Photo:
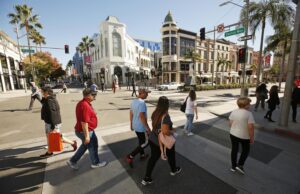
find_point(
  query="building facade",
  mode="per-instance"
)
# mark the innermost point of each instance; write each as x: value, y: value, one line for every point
x: 11, y: 76
x: 78, y: 65
x: 176, y: 67
x: 117, y: 53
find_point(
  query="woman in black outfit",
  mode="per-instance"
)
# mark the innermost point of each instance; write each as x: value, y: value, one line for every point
x: 272, y: 102
x: 158, y: 125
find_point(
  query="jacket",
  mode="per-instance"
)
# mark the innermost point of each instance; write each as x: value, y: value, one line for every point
x: 274, y: 100
x: 50, y: 111
x: 296, y: 96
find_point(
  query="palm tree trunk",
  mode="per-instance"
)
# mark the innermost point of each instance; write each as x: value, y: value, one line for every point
x: 260, y: 69
x: 30, y: 58
x: 282, y: 65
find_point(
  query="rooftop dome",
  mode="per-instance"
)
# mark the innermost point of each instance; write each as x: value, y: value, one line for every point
x: 169, y: 17
x: 112, y: 19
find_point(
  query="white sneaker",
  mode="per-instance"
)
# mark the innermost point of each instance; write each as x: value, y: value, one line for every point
x: 99, y: 165
x: 190, y: 134
x: 72, y: 165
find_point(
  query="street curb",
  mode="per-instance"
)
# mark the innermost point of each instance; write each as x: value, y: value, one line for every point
x: 278, y: 131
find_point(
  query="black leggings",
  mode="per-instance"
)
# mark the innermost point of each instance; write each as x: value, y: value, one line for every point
x: 294, y: 108
x: 142, y: 144
x: 155, y: 155
x: 235, y: 149
x: 270, y: 111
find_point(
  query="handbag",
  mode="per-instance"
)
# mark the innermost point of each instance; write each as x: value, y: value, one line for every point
x: 183, y: 106
x: 166, y: 140
x: 55, y: 143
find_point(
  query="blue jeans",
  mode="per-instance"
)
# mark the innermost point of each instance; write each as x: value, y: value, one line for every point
x: 92, y: 147
x: 189, y: 122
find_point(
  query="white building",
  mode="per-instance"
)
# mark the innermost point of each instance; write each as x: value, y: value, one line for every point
x: 115, y: 52
x: 10, y: 71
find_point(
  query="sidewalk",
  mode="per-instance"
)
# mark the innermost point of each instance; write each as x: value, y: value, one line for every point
x: 14, y: 93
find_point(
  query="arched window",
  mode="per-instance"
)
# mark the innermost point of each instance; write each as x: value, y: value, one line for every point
x: 117, y: 46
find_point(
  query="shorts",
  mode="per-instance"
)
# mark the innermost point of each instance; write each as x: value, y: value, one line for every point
x: 48, y: 128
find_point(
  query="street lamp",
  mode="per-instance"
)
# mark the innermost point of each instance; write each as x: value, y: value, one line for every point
x: 244, y: 90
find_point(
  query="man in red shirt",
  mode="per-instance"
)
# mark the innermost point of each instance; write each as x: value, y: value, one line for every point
x: 84, y: 129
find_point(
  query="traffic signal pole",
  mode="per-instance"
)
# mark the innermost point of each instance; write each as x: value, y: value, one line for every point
x: 244, y: 90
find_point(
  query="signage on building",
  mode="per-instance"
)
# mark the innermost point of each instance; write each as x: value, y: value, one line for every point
x: 234, y: 32
x: 88, y: 60
x: 267, y: 61
x: 27, y: 50
x: 243, y: 38
x: 220, y: 28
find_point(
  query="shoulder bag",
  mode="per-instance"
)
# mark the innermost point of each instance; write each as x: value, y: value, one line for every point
x: 167, y: 140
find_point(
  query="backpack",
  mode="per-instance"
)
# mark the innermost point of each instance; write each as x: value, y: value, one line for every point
x: 183, y: 106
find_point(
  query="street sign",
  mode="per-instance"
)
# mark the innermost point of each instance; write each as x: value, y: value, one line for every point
x: 220, y: 28
x: 243, y: 38
x: 27, y: 51
x: 234, y: 32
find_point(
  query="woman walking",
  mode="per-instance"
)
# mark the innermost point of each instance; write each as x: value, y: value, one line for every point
x: 161, y: 123
x: 272, y: 102
x: 50, y: 113
x: 261, y: 95
x: 190, y: 111
x: 241, y: 132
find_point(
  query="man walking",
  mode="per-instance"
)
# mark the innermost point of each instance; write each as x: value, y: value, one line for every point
x: 35, y: 94
x: 295, y: 101
x: 133, y: 87
x: 138, y: 123
x: 84, y: 129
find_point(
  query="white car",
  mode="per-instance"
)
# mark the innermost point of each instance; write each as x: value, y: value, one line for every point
x: 169, y: 86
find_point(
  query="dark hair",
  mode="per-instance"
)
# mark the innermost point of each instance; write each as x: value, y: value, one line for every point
x: 192, y: 95
x: 274, y: 89
x: 162, y: 108
x: 48, y: 90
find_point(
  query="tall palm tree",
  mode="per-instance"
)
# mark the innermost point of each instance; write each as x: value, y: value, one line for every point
x: 37, y: 38
x: 85, y: 46
x: 281, y: 39
x: 226, y: 64
x: 263, y: 11
x: 194, y: 56
x: 24, y: 17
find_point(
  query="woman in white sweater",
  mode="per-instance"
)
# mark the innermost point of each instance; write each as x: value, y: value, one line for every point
x: 190, y: 112
x: 241, y: 132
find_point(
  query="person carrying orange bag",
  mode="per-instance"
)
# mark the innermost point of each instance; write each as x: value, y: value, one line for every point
x: 50, y: 113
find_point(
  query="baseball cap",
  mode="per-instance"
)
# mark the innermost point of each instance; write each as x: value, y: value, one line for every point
x: 144, y: 90
x: 88, y: 91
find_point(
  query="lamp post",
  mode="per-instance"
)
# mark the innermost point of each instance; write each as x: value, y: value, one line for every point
x: 244, y: 90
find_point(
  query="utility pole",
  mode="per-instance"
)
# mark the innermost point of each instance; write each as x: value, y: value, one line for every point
x: 244, y: 90
x: 24, y: 79
x: 213, y: 68
x: 292, y: 66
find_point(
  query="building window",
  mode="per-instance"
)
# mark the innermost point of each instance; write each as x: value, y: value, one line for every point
x: 12, y: 63
x: 101, y: 44
x: 166, y: 32
x: 173, y: 66
x: 117, y: 45
x: 106, y: 47
x: 3, y: 61
x: 205, y: 55
x: 211, y: 55
x: 165, y: 66
x: 166, y: 46
x: 173, y: 32
x: 205, y: 67
x: 186, y: 45
x: 223, y: 48
x: 173, y: 46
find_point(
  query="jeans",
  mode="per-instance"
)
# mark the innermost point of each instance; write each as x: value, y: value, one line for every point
x: 235, y: 141
x: 143, y: 143
x: 33, y: 99
x: 260, y: 99
x: 92, y: 147
x: 155, y: 155
x: 189, y: 122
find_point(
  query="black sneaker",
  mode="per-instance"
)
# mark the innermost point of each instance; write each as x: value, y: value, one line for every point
x: 147, y: 181
x: 178, y: 170
x: 144, y: 157
x: 240, y: 169
x: 46, y: 155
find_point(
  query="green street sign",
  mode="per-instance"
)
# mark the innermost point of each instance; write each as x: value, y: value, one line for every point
x: 27, y: 51
x: 234, y: 32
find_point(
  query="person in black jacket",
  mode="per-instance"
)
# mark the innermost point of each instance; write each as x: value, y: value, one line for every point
x: 295, y: 101
x: 272, y: 102
x: 261, y: 95
x: 50, y: 113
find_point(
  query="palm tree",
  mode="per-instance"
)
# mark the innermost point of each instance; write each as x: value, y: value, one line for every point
x: 85, y: 46
x: 23, y: 16
x: 224, y: 63
x: 194, y: 57
x: 282, y: 39
x: 37, y: 38
x: 262, y: 11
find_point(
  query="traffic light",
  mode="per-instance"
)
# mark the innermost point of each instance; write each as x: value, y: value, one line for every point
x: 242, y: 55
x: 202, y: 34
x: 67, y: 49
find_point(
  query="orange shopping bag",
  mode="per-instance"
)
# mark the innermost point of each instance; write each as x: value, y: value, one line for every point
x: 55, y: 143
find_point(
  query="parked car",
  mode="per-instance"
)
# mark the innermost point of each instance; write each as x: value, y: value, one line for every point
x: 169, y: 86
x: 208, y: 83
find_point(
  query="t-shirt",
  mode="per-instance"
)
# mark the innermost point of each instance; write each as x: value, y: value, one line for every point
x: 138, y: 106
x: 190, y: 105
x: 241, y: 118
x: 85, y: 113
x: 94, y: 87
x: 153, y: 135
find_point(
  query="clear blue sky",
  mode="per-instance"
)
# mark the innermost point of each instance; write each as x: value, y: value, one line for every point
x: 67, y: 21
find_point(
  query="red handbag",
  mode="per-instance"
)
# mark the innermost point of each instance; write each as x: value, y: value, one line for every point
x: 55, y: 142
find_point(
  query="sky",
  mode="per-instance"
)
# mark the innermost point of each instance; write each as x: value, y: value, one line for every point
x: 67, y: 21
